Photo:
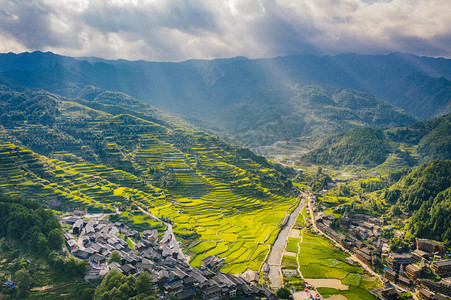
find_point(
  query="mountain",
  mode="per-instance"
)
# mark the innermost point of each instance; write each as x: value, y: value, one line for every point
x: 72, y: 154
x: 416, y: 143
x: 192, y: 86
x: 285, y: 112
x: 432, y: 138
x: 251, y: 102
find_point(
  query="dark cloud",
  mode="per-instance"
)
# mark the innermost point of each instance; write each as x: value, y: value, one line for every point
x: 178, y: 29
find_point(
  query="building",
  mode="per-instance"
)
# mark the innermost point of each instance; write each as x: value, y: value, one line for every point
x: 428, y: 295
x: 77, y: 227
x: 420, y: 255
x: 97, y: 259
x: 211, y: 293
x: 390, y: 275
x: 413, y: 271
x: 399, y: 261
x: 344, y: 223
x: 72, y: 245
x: 443, y: 286
x: 404, y: 282
x: 441, y: 267
x: 359, y: 244
x: 365, y: 255
x: 347, y: 243
x: 430, y: 246
x: 389, y: 294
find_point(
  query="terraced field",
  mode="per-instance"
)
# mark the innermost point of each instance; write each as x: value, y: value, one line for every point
x: 222, y: 200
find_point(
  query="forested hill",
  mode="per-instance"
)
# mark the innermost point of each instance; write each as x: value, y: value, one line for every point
x: 426, y: 194
x: 258, y: 101
x: 363, y: 146
x: 28, y: 224
x: 414, y: 144
x: 285, y: 112
x: 432, y: 137
x: 69, y: 153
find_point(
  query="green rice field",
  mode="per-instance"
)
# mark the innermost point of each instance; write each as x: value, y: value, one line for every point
x: 212, y: 192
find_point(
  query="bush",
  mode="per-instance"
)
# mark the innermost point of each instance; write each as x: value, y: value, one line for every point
x: 283, y: 293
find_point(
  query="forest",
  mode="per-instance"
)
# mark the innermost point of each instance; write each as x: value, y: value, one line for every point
x: 425, y: 193
x: 27, y: 223
x: 31, y: 240
x: 369, y: 147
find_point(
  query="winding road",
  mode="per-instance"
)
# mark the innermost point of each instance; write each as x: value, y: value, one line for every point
x: 276, y: 254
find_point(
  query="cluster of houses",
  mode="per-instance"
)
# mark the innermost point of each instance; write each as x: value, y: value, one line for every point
x: 409, y: 269
x: 359, y: 227
x: 405, y: 270
x: 159, y: 255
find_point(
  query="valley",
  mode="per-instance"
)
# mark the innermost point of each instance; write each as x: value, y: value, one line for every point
x: 276, y: 220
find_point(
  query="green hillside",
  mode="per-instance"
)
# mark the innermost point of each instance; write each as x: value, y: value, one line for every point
x: 433, y: 137
x: 67, y: 154
x: 426, y: 193
x: 395, y: 147
x: 363, y: 146
x: 30, y: 239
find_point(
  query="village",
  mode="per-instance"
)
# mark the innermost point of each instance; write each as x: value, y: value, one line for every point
x: 422, y: 271
x: 159, y: 255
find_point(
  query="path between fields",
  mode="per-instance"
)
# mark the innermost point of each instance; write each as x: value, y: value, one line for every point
x: 169, y: 230
x: 303, y: 295
x: 277, y: 250
x: 352, y: 256
x: 299, y: 250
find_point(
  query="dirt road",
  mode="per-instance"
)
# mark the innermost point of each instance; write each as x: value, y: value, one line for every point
x: 168, y: 231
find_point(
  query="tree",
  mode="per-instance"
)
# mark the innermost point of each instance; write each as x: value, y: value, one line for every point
x: 283, y: 293
x: 405, y: 296
x: 23, y: 280
x: 116, y: 285
x: 115, y: 257
x: 395, y: 210
x: 55, y: 239
x: 143, y: 285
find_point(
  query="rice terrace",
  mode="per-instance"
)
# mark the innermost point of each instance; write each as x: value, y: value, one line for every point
x: 221, y: 199
x: 173, y: 167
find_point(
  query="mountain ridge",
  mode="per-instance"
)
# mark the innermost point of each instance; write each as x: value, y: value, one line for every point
x: 201, y: 83
x: 213, y: 94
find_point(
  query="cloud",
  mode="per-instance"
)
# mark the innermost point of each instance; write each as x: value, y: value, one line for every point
x: 175, y: 30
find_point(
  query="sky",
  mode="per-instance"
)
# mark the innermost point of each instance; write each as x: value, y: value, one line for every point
x: 177, y: 30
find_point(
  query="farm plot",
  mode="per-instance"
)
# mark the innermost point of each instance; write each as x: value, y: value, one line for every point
x: 318, y: 257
